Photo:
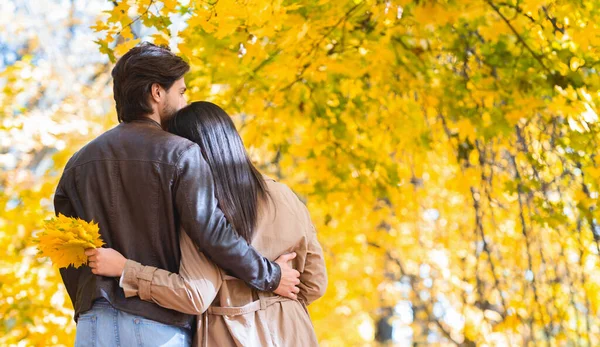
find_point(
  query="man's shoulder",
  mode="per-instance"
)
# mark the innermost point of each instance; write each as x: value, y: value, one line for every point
x: 127, y: 142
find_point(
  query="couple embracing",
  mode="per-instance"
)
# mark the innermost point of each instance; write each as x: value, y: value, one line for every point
x: 201, y: 248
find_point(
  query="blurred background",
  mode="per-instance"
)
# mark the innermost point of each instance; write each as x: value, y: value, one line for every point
x: 446, y: 150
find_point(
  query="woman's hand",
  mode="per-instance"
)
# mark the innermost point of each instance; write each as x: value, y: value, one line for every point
x: 105, y: 261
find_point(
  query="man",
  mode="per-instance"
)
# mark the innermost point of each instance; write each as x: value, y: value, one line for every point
x: 142, y: 184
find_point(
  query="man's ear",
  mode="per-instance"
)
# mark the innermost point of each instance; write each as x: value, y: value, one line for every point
x: 156, y: 92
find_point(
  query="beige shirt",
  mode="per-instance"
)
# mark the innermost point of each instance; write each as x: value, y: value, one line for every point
x: 231, y: 313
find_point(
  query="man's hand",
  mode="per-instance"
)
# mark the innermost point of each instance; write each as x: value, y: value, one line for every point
x: 106, y: 261
x: 289, y: 277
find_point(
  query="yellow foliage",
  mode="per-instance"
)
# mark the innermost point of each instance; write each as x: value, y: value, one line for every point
x: 446, y: 151
x: 64, y: 240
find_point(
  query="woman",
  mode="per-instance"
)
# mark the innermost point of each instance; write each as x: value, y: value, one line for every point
x: 267, y: 214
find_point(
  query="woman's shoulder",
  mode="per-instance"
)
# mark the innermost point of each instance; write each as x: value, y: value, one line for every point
x: 281, y: 193
x: 276, y: 187
x: 268, y: 178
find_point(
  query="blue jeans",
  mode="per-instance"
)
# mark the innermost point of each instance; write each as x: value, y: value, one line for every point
x: 104, y: 325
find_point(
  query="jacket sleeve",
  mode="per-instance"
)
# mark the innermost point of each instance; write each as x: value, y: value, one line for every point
x: 63, y: 205
x: 313, y: 280
x: 191, y: 291
x: 209, y: 229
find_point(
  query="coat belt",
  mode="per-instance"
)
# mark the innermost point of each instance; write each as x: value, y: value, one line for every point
x: 261, y: 304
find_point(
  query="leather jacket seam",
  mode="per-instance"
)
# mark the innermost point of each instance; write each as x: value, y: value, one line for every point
x: 183, y: 153
x: 117, y: 160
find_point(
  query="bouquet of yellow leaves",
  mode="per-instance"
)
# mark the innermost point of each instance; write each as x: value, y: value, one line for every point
x: 65, y: 239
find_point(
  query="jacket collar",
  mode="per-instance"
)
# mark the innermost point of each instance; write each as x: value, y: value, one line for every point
x: 147, y: 120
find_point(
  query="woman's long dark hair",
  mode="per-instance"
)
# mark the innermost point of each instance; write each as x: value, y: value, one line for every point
x: 239, y: 186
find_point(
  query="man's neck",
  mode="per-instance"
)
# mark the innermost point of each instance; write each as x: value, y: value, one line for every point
x: 155, y: 117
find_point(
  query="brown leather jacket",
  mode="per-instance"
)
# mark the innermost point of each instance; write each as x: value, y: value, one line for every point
x: 141, y: 184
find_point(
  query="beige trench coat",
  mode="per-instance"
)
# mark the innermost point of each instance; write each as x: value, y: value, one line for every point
x: 231, y: 313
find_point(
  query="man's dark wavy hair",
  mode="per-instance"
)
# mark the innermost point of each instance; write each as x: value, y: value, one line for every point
x: 136, y: 72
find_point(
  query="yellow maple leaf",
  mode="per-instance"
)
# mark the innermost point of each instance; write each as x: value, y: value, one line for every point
x: 64, y: 240
x: 124, y: 47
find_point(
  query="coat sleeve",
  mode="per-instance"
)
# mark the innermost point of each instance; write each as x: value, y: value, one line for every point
x: 191, y: 291
x: 313, y: 280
